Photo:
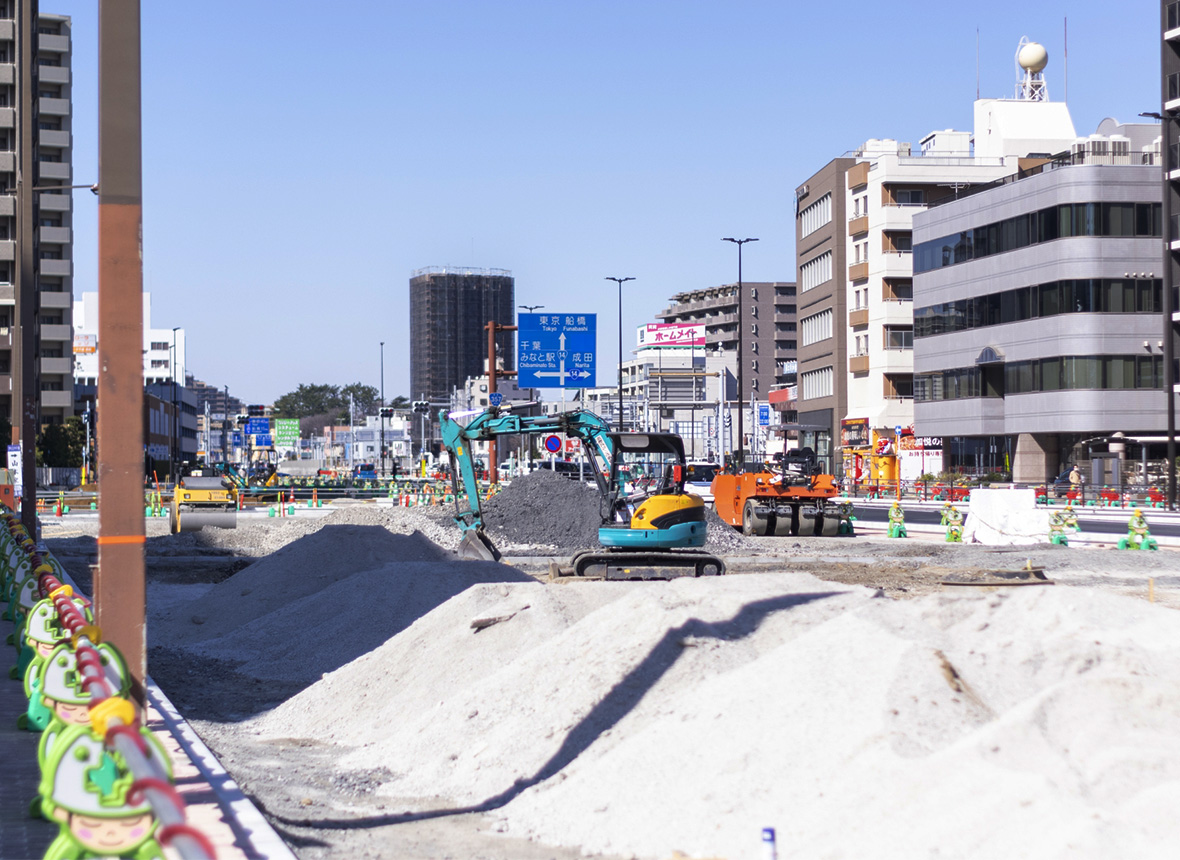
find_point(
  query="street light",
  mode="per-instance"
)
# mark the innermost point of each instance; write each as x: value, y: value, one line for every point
x: 381, y: 411
x: 174, y: 448
x: 740, y: 353
x: 620, y: 282
x: 529, y: 308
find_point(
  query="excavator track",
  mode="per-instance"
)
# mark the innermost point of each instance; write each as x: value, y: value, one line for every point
x: 625, y: 564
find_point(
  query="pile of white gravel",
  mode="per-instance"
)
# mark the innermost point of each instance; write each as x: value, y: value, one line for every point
x: 643, y: 718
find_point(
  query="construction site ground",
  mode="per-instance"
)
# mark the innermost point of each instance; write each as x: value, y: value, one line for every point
x: 376, y: 697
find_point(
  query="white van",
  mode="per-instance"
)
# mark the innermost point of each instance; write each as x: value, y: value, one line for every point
x: 698, y: 480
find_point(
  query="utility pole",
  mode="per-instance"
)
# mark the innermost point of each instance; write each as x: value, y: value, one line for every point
x: 493, y: 328
x: 119, y: 580
x: 25, y: 384
x: 381, y: 411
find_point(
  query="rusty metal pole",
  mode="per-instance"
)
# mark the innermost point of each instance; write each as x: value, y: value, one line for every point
x: 119, y: 581
x: 26, y: 383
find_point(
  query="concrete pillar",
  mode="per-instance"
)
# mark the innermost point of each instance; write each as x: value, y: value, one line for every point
x: 1035, y: 459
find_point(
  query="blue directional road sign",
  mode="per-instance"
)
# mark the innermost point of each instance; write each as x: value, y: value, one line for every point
x: 763, y: 414
x: 254, y: 426
x: 556, y: 350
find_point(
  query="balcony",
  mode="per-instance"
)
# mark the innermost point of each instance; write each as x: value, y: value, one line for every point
x: 55, y: 331
x: 53, y: 172
x: 56, y: 300
x: 53, y: 107
x: 858, y: 174
x: 57, y: 268
x: 54, y: 202
x: 858, y: 271
x: 858, y: 364
x: 7, y: 117
x: 858, y: 224
x: 896, y: 360
x: 897, y: 313
x: 57, y: 366
x: 899, y: 217
x: 57, y: 399
x: 7, y: 164
x: 858, y: 318
x: 53, y: 74
x: 7, y: 74
x: 56, y: 44
x: 7, y: 30
x: 53, y: 137
x: 58, y: 235
x: 897, y: 264
x: 7, y: 249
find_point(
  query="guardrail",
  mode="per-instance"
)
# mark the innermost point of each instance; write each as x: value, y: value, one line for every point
x: 1047, y: 493
x: 105, y: 779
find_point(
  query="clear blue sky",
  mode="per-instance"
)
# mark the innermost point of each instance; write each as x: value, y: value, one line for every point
x: 301, y: 159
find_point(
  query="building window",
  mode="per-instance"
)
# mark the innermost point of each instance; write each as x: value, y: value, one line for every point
x: 910, y: 197
x: 817, y: 327
x: 816, y: 215
x: 899, y: 337
x: 1044, y: 225
x: 815, y: 272
x: 816, y: 383
x: 161, y: 344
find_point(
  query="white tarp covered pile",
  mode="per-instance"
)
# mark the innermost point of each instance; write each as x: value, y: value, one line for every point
x: 1005, y: 518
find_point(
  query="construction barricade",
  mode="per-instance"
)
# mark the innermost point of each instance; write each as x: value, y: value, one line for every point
x: 106, y: 781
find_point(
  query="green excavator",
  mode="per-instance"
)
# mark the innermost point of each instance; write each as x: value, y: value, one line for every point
x: 650, y: 527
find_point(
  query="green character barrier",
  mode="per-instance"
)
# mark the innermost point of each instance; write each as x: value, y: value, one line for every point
x: 42, y: 633
x: 896, y: 521
x: 57, y: 697
x: 1138, y: 535
x: 85, y: 789
x: 953, y: 521
x: 1059, y: 522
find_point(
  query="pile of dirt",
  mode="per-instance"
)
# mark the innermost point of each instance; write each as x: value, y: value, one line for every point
x: 545, y: 508
x: 813, y: 709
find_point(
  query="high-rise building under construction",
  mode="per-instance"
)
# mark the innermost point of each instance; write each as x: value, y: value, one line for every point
x: 449, y: 312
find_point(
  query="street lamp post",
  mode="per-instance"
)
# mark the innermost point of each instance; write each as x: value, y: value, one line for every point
x: 381, y: 411
x: 174, y: 448
x: 529, y: 308
x: 620, y: 282
x: 740, y: 354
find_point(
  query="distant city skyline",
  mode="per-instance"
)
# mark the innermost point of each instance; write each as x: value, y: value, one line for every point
x: 296, y: 170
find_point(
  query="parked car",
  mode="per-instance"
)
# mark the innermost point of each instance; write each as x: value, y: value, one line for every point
x: 569, y: 470
x: 698, y: 479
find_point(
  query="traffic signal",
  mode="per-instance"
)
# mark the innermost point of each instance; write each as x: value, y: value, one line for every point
x: 256, y: 411
x: 422, y: 406
x: 386, y: 411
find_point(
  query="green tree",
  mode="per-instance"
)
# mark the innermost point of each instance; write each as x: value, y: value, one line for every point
x: 309, y: 400
x: 364, y: 398
x: 61, y: 444
x: 399, y: 402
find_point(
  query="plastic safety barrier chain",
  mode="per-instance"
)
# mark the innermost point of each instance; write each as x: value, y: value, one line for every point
x: 106, y: 781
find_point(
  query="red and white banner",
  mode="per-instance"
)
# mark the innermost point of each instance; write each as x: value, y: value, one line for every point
x: 672, y: 334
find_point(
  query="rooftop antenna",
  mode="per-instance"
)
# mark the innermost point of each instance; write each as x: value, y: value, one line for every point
x: 1066, y: 57
x: 977, y: 64
x: 1031, y: 59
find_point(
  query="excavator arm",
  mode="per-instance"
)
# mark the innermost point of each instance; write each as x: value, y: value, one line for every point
x: 585, y: 426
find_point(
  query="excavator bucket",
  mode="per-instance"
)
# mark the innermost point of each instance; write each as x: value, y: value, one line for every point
x: 477, y: 546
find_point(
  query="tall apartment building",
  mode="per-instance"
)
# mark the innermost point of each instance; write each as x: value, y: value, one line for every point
x: 52, y: 212
x: 449, y: 311
x: 769, y: 335
x: 1038, y: 311
x: 820, y: 247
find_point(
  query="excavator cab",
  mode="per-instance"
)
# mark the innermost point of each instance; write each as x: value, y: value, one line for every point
x: 648, y: 505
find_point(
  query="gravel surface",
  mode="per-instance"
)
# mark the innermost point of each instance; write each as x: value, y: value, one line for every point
x: 380, y: 698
